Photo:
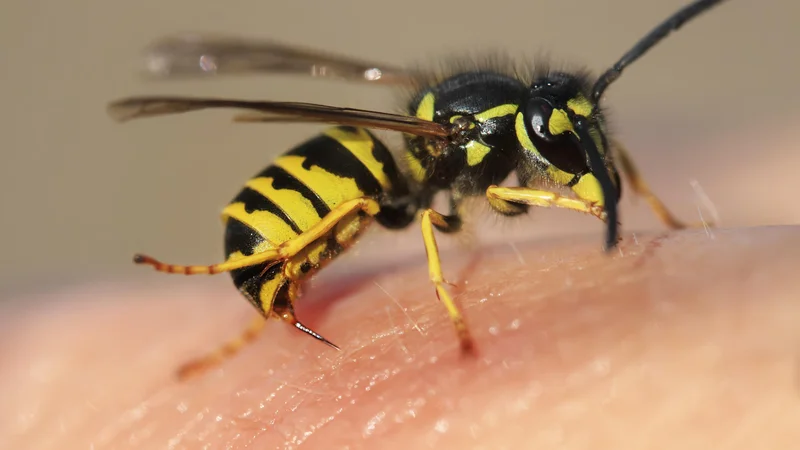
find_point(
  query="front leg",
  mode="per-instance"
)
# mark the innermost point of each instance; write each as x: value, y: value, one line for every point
x: 513, y: 201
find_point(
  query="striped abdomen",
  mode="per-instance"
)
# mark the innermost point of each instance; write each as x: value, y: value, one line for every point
x: 296, y: 192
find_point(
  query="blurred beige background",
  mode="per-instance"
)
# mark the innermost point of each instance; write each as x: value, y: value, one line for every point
x: 81, y: 194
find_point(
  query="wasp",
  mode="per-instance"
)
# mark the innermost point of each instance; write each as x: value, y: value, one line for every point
x: 465, y: 133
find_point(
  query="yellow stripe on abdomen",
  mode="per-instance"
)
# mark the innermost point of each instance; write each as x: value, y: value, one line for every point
x: 331, y: 188
x: 268, y: 225
x: 292, y: 203
x: 360, y: 144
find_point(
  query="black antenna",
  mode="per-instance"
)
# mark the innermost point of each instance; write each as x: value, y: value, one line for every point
x: 674, y: 22
x: 600, y: 171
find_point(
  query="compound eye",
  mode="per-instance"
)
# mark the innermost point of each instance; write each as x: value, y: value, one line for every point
x: 538, y: 113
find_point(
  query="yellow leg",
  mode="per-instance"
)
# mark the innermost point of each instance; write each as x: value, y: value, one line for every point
x: 431, y: 218
x: 285, y: 250
x: 503, y: 199
x: 641, y: 188
x: 227, y: 350
x: 227, y: 266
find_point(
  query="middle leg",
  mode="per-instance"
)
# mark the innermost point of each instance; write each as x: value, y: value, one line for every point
x: 641, y: 188
x: 446, y: 224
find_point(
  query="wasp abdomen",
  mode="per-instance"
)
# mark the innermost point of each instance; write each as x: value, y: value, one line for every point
x: 295, y: 193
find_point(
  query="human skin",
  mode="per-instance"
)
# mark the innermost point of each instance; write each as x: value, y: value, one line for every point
x: 677, y: 340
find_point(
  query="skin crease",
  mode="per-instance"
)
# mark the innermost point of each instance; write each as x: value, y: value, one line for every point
x: 678, y: 340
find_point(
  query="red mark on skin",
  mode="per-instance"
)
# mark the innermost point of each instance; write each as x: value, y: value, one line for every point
x: 650, y: 250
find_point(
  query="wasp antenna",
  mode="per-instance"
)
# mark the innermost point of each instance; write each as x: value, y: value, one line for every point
x: 673, y: 23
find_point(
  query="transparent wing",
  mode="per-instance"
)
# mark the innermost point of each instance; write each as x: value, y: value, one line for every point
x: 265, y: 111
x: 192, y: 55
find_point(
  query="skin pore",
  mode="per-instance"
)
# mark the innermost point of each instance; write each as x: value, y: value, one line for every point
x: 679, y: 340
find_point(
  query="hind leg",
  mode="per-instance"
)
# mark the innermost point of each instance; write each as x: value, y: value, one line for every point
x: 273, y: 293
x: 225, y: 351
x: 286, y: 250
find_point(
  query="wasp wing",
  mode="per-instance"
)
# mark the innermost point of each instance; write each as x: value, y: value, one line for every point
x: 191, y: 55
x: 140, y: 107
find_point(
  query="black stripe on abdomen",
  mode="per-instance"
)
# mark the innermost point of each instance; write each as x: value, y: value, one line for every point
x: 254, y: 201
x: 328, y: 154
x: 282, y: 179
x: 239, y: 237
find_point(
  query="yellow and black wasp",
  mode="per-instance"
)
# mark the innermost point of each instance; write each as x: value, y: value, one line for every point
x: 465, y: 133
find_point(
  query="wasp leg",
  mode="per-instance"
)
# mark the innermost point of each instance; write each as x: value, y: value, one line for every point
x: 225, y: 351
x: 506, y: 200
x: 227, y: 266
x: 445, y: 224
x: 642, y: 189
x: 281, y: 307
x: 284, y: 251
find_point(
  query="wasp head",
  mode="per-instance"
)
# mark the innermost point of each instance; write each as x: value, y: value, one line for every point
x: 561, y: 131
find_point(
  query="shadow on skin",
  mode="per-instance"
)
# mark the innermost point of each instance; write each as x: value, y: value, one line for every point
x: 685, y: 339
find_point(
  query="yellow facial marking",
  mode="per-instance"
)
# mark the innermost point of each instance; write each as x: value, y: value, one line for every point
x: 360, y: 144
x: 297, y: 207
x: 425, y: 107
x: 580, y: 105
x: 415, y: 168
x: 522, y: 134
x: 588, y: 188
x: 476, y: 152
x: 497, y: 111
x: 559, y: 122
x: 331, y: 188
x: 270, y: 226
